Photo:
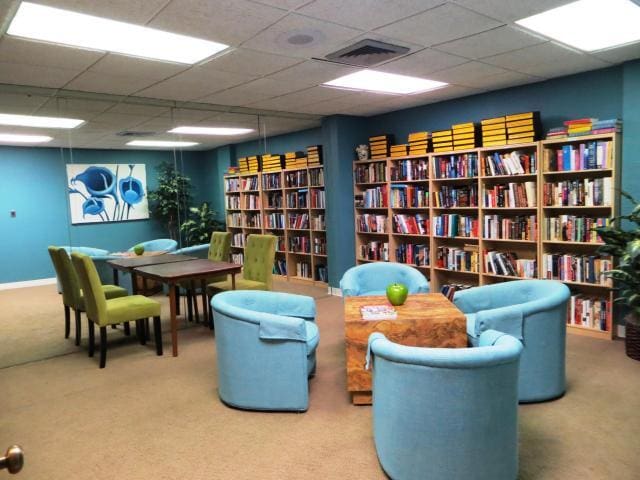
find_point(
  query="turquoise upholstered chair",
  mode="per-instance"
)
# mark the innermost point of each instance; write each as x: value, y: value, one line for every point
x: 446, y: 413
x: 373, y: 279
x: 160, y: 244
x: 266, y: 344
x: 533, y: 311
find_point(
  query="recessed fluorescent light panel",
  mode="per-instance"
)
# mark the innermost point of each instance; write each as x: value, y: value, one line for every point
x: 160, y: 143
x: 55, y: 25
x: 381, y: 82
x: 15, y: 138
x: 589, y: 25
x: 211, y: 130
x: 37, y: 121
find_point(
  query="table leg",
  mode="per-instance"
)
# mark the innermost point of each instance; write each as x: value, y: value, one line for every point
x: 134, y: 283
x: 205, y: 305
x: 115, y: 277
x: 233, y: 281
x: 177, y: 299
x: 192, y: 284
x: 174, y: 320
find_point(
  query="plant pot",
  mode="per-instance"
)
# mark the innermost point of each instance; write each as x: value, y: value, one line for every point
x: 632, y: 336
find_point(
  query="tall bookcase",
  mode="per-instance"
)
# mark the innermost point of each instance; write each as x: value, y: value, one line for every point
x: 289, y: 204
x: 469, y: 213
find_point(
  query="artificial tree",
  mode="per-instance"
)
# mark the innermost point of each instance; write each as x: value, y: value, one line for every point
x: 199, y: 225
x: 624, y: 245
x: 168, y: 202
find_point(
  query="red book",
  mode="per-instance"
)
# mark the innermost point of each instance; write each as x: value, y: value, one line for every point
x: 580, y: 120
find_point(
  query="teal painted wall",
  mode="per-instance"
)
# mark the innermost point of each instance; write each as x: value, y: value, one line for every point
x: 280, y: 143
x: 33, y: 183
x: 631, y: 132
x: 215, y: 164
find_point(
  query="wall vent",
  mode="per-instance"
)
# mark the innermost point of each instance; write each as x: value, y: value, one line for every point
x: 367, y: 53
x: 133, y: 133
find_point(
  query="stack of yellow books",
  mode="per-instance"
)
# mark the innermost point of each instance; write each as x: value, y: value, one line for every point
x: 419, y: 143
x: 295, y: 160
x: 442, y: 140
x: 379, y: 145
x: 494, y: 131
x: 243, y: 165
x: 524, y: 127
x: 399, y: 150
x: 271, y: 163
x: 464, y: 136
x: 314, y: 155
x: 232, y: 170
x: 253, y: 164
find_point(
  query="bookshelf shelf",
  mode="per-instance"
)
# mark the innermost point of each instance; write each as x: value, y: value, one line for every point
x: 529, y: 222
x: 366, y: 184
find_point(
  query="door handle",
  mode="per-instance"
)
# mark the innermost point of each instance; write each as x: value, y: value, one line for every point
x: 13, y: 459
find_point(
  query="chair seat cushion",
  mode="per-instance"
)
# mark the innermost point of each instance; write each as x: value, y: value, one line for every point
x: 113, y: 291
x: 132, y: 307
x: 313, y: 336
x: 241, y: 284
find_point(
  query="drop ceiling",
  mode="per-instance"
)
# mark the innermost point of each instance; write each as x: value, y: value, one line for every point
x: 472, y: 44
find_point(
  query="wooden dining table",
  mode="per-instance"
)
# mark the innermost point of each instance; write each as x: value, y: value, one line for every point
x: 172, y: 273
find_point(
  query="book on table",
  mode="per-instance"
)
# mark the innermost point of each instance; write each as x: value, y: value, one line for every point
x: 378, y: 312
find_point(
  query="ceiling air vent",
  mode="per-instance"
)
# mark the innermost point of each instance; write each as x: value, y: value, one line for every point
x: 133, y: 133
x: 367, y: 53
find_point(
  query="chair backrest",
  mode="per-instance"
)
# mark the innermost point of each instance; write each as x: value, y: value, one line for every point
x: 373, y: 278
x: 159, y: 244
x: 94, y: 299
x: 66, y: 276
x: 259, y: 254
x: 220, y: 246
x: 427, y: 400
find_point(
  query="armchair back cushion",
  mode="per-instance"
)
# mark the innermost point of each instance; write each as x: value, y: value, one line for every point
x: 159, y: 244
x: 373, y: 279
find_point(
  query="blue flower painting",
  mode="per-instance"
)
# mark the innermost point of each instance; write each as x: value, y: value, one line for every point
x: 107, y: 193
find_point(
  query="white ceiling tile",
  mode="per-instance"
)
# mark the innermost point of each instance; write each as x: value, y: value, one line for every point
x: 84, y: 105
x: 511, y: 9
x: 122, y: 65
x: 255, y: 91
x: 124, y: 10
x: 366, y: 14
x: 491, y: 42
x: 131, y: 108
x: 467, y: 73
x: 22, y: 101
x: 195, y: 83
x: 181, y: 115
x: 423, y: 62
x: 441, y: 24
x: 120, y: 120
x: 105, y: 83
x: 23, y: 74
x: 17, y: 50
x: 238, y: 119
x: 252, y: 62
x: 226, y: 21
x: 303, y: 97
x: 545, y: 60
x: 284, y: 4
x: 311, y: 73
x: 328, y: 36
x: 620, y: 54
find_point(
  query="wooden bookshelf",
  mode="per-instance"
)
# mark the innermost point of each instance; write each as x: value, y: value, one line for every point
x: 526, y: 236
x: 265, y: 208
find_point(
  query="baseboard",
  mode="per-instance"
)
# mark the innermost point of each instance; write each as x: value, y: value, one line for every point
x: 336, y: 292
x: 622, y: 332
x: 28, y: 283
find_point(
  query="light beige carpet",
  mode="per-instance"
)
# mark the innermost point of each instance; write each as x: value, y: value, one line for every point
x: 149, y: 417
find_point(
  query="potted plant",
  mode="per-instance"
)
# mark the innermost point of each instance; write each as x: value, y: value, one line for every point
x: 201, y: 222
x: 624, y: 245
x: 169, y: 200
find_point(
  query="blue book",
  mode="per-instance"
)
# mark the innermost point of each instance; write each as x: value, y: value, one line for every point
x: 566, y: 157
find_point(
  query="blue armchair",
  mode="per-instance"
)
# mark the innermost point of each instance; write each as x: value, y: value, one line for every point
x: 159, y: 244
x: 373, y: 279
x: 446, y: 412
x: 266, y: 343
x: 533, y: 311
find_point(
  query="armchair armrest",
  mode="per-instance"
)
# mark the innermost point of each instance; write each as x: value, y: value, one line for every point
x: 472, y: 300
x: 300, y: 306
x: 276, y: 327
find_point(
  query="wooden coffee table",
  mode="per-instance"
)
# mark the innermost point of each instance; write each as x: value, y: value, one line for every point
x: 425, y: 320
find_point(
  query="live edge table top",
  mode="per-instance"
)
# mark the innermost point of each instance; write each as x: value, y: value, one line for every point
x: 425, y: 320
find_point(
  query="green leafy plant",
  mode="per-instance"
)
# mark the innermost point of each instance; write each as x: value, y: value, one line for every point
x: 168, y: 202
x: 201, y: 222
x: 624, y: 245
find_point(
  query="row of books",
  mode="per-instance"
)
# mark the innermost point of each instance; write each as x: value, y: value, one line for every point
x: 317, y: 199
x: 234, y: 220
x: 274, y: 220
x: 252, y: 201
x: 591, y: 312
x: 231, y: 185
x: 511, y: 129
x: 299, y: 244
x: 318, y: 223
x: 371, y: 223
x: 456, y: 166
x: 411, y: 254
x: 454, y: 225
x: 252, y: 220
x: 297, y: 199
x: 316, y: 177
x: 274, y: 200
x: 280, y: 266
x: 376, y: 197
x: 237, y: 258
x: 449, y: 290
x: 523, y: 227
x: 463, y: 259
x: 411, y: 224
x: 371, y: 173
x: 572, y: 228
x: 299, y: 221
x: 508, y: 264
x: 409, y: 196
x: 249, y: 183
x: 379, y: 145
x: 375, y: 250
x: 583, y: 156
x: 232, y: 202
x: 322, y: 274
x: 296, y: 179
x: 319, y: 246
x: 403, y: 170
x: 238, y: 240
x: 576, y: 268
x: 271, y: 181
x: 303, y: 269
x: 510, y: 163
x: 587, y: 192
x: 456, y: 196
x: 585, y: 126
x: 510, y: 195
x: 281, y: 244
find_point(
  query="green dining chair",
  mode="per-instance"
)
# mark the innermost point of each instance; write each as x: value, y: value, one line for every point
x: 104, y: 312
x: 72, y: 294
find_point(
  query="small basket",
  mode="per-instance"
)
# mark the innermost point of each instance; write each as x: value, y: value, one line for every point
x: 632, y: 340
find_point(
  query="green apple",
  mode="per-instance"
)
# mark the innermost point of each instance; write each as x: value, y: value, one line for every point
x: 397, y: 293
x: 138, y: 249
